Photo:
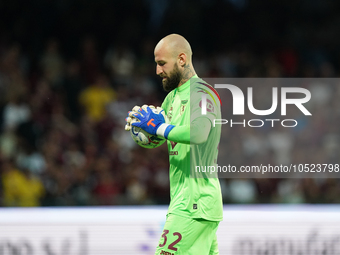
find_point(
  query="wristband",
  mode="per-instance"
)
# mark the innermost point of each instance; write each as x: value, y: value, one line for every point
x: 164, y: 130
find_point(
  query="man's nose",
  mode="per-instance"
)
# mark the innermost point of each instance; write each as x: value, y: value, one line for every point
x: 159, y: 70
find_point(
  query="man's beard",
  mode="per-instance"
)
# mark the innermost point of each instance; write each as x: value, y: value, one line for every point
x: 171, y: 82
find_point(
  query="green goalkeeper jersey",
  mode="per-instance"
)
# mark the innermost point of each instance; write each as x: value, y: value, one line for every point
x: 192, y: 193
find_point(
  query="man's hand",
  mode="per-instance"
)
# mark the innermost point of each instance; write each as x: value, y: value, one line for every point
x: 130, y: 117
x: 149, y: 121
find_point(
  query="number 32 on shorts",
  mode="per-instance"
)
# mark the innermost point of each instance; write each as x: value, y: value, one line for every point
x: 171, y: 246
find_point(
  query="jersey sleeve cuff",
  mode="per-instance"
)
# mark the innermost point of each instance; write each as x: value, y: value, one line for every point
x: 164, y: 130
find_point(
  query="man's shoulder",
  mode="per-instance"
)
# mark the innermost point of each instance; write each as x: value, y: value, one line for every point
x: 199, y: 87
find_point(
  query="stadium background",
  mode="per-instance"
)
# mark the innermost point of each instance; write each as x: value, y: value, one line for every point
x: 70, y: 71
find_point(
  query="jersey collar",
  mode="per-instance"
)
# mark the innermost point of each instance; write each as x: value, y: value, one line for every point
x: 186, y: 84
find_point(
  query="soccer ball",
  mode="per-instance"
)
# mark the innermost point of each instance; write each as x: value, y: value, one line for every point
x: 143, y: 138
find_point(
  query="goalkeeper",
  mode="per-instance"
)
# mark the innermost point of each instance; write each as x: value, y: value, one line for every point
x: 196, y: 205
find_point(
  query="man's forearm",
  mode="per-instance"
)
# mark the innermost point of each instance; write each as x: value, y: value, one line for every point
x: 196, y: 133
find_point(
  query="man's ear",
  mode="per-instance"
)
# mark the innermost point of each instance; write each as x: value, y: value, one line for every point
x: 182, y: 59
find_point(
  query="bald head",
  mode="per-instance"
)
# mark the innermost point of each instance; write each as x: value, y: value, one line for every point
x: 175, y: 45
x: 173, y: 58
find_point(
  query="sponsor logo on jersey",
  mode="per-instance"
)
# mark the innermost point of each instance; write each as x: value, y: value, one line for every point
x: 181, y: 110
x: 210, y: 106
x: 173, y: 144
x: 172, y: 153
x: 166, y: 253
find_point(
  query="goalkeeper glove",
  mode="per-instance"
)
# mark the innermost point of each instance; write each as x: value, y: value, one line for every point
x: 151, y: 122
x: 130, y: 118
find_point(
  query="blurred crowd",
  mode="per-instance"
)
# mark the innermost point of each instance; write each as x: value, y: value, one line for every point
x: 62, y: 139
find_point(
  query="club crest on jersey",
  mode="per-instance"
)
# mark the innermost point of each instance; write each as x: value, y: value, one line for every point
x: 183, y: 104
x: 169, y: 115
